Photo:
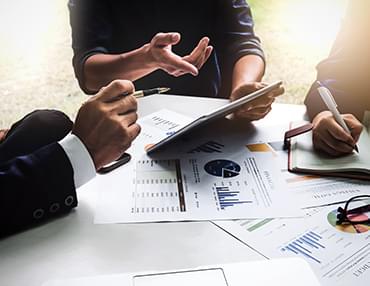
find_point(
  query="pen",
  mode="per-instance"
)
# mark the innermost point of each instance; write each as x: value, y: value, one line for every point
x: 146, y: 92
x: 328, y: 98
x: 141, y: 93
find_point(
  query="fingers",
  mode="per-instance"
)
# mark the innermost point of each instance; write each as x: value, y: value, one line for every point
x: 254, y: 114
x: 339, y: 134
x: 115, y: 89
x: 200, y: 49
x: 129, y: 119
x: 246, y: 89
x: 133, y: 131
x: 277, y: 92
x: 258, y: 108
x: 198, y: 55
x: 354, y: 126
x: 207, y: 55
x: 330, y: 137
x: 332, y: 143
x: 124, y: 105
x: 165, y: 39
x: 174, y: 64
x: 323, y: 147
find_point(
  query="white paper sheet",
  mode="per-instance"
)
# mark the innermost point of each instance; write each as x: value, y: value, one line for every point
x: 213, y: 180
x: 289, y: 272
x: 338, y: 255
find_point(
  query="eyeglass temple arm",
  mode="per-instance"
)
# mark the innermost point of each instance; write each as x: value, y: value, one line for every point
x: 365, y: 208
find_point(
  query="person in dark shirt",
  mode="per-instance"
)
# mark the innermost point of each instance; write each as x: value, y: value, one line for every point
x: 151, y: 42
x: 346, y: 72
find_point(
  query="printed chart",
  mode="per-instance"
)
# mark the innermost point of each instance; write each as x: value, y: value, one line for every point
x: 159, y: 187
x: 337, y: 257
x: 208, y: 180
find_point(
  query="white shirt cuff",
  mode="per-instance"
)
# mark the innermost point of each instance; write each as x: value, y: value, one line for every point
x: 81, y: 161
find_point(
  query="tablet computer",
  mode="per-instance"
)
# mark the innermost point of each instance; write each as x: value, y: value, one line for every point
x: 213, y: 115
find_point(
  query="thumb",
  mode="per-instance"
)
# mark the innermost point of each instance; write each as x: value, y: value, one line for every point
x: 164, y: 39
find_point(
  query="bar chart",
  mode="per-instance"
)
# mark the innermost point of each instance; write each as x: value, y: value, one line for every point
x: 228, y: 198
x: 306, y: 245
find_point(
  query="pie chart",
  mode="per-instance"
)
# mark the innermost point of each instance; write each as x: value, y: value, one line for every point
x: 350, y: 228
x: 222, y: 168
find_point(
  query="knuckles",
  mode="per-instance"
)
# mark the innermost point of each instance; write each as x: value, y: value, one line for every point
x: 131, y: 102
x: 123, y: 86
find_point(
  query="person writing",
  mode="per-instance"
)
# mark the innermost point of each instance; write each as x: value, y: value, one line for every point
x: 45, y: 157
x: 346, y: 73
x: 208, y: 48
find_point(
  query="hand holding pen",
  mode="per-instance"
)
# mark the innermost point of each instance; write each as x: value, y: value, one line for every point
x: 125, y: 157
x: 333, y: 133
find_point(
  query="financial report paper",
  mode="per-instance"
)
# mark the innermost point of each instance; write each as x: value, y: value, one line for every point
x: 209, y: 181
x: 339, y: 255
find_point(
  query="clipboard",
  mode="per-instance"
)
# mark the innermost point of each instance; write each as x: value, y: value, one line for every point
x: 215, y: 114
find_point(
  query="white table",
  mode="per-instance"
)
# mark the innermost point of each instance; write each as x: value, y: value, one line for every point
x: 73, y: 246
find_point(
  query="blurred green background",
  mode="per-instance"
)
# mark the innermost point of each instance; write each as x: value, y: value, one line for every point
x: 35, y: 50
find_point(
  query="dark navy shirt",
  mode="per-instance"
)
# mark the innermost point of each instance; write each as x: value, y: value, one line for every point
x: 113, y: 27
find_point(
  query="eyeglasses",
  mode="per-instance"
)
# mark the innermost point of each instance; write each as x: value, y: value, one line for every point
x: 356, y: 211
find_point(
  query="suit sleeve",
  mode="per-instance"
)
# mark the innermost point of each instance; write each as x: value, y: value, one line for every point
x: 91, y: 33
x: 35, y: 187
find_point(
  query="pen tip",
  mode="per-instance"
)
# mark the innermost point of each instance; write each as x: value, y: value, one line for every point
x: 163, y: 89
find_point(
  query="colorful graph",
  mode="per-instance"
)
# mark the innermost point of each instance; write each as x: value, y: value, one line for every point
x: 347, y: 227
x: 228, y: 198
x: 222, y: 168
x: 259, y: 147
x: 305, y: 245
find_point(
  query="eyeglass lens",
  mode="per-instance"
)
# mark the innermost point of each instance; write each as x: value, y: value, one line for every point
x: 358, y: 210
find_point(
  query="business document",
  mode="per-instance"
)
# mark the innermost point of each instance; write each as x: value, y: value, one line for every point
x: 339, y: 255
x: 209, y: 181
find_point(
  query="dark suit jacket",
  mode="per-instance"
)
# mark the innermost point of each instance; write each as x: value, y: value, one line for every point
x: 347, y: 70
x: 35, y: 187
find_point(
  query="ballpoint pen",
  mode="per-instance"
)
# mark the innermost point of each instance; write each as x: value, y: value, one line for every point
x: 146, y: 92
x: 142, y: 93
x: 329, y: 101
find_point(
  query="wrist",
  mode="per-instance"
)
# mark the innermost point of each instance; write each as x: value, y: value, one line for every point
x: 149, y: 60
x: 141, y: 58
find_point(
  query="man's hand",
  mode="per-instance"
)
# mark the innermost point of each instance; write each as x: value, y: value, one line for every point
x: 328, y: 136
x: 160, y: 50
x: 258, y: 108
x: 106, y: 123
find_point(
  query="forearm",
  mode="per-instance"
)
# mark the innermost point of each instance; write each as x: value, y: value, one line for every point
x: 101, y: 69
x: 247, y: 69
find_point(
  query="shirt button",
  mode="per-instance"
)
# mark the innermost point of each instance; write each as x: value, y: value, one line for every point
x: 69, y: 201
x: 54, y: 208
x: 39, y: 213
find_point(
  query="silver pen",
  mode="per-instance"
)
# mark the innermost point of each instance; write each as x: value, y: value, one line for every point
x: 328, y: 98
